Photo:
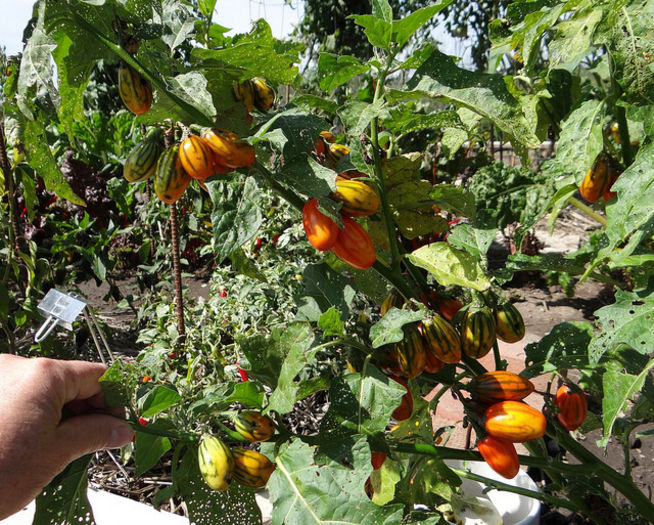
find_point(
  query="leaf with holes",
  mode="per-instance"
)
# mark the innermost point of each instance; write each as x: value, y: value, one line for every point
x: 299, y: 485
x: 628, y: 321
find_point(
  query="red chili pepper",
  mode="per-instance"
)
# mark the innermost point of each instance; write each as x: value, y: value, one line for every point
x: 171, y: 355
x: 146, y: 379
x: 257, y: 242
x: 23, y: 213
x: 142, y: 421
x: 222, y: 293
x: 242, y: 373
x: 275, y: 238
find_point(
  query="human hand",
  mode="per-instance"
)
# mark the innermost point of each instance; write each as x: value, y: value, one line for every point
x: 35, y: 443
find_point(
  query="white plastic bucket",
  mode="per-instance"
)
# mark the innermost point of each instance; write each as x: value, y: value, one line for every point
x: 515, y: 509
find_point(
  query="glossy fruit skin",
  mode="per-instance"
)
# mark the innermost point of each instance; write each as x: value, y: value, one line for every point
x: 509, y: 325
x: 135, y: 90
x: 359, y: 199
x: 264, y: 95
x: 170, y: 179
x: 410, y: 352
x: 432, y: 363
x: 141, y: 162
x: 573, y: 407
x: 227, y: 146
x: 354, y: 246
x: 514, y: 421
x: 597, y: 179
x: 216, y: 462
x: 448, y: 307
x: 196, y: 157
x: 500, y: 385
x: 320, y: 230
x: 405, y: 409
x: 441, y: 339
x: 377, y: 460
x: 251, y: 468
x: 328, y: 136
x: 393, y: 299
x: 477, y: 329
x: 244, y: 92
x: 253, y: 425
x: 500, y: 455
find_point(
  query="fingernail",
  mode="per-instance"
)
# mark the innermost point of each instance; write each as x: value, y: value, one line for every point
x: 120, y: 436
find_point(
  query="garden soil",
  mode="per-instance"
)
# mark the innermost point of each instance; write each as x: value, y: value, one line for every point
x: 541, y: 305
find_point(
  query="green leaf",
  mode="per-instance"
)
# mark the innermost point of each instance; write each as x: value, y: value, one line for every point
x: 265, y: 358
x: 619, y: 388
x: 382, y: 10
x: 565, y: 347
x: 581, y: 139
x: 628, y: 321
x: 64, y: 499
x: 330, y: 322
x: 365, y: 401
x: 456, y: 200
x: 298, y: 487
x: 235, y: 506
x: 324, y: 290
x: 157, y: 400
x: 486, y: 94
x: 148, y: 449
x: 407, y: 122
x: 357, y: 114
x: 41, y: 160
x: 574, y: 39
x: 207, y: 7
x: 389, y: 328
x: 99, y: 266
x: 118, y: 383
x: 450, y: 266
x: 404, y: 28
x: 475, y: 241
x: 178, y: 22
x: 219, y: 397
x: 336, y: 70
x: 236, y: 216
x: 378, y: 31
x: 295, y: 343
x: 632, y: 213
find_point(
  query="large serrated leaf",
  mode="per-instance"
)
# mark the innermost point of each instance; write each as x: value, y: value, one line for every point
x: 336, y: 70
x: 298, y: 488
x: 565, y: 347
x: 366, y: 401
x: 581, y: 139
x: 440, y: 78
x: 619, y: 388
x: 450, y: 266
x: 324, y: 289
x: 295, y: 341
x: 629, y: 321
x: 389, y: 328
x: 234, y: 506
x: 64, y: 499
x: 236, y: 216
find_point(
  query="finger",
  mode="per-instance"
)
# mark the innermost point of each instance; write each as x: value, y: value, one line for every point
x: 80, y: 379
x: 84, y: 434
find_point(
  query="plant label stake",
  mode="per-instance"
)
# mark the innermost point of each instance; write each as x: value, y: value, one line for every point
x: 61, y: 308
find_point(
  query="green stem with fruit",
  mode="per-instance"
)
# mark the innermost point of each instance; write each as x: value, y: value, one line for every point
x: 588, y: 211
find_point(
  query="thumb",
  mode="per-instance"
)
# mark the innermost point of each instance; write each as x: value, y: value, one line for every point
x: 87, y: 433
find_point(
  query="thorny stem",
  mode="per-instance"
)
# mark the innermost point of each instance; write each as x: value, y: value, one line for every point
x: 177, y: 269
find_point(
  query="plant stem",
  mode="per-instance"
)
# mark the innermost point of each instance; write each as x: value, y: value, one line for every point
x: 542, y: 496
x: 291, y: 197
x: 588, y: 211
x: 379, y: 179
x: 9, y: 183
x: 618, y: 481
x: 497, y: 356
